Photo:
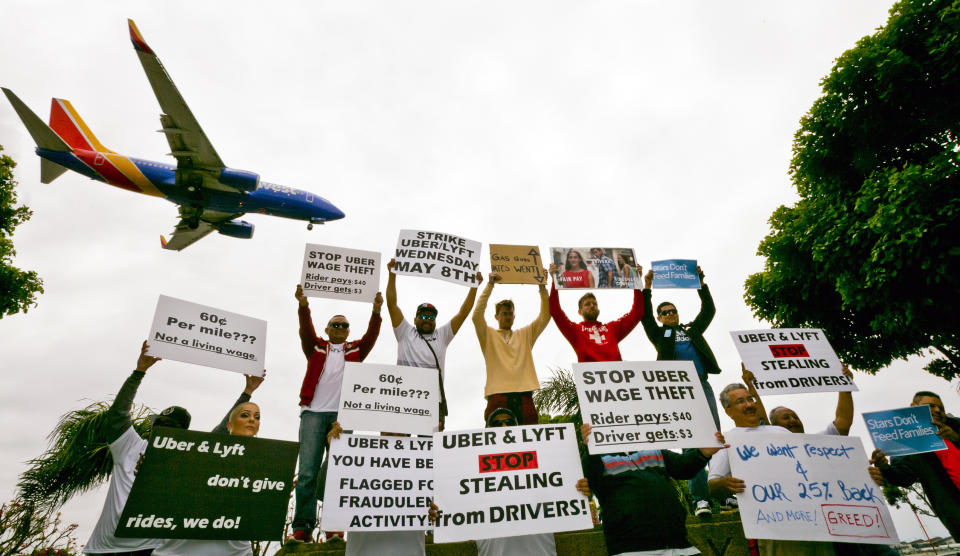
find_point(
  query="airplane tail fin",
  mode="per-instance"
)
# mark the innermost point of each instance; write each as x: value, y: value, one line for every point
x: 43, y: 136
x: 68, y: 124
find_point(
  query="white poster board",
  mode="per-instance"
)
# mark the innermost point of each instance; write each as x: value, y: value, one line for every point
x: 508, y: 481
x: 435, y: 255
x: 378, y: 483
x: 193, y: 333
x: 389, y: 398
x: 340, y: 273
x: 808, y: 487
x: 643, y: 405
x: 791, y: 361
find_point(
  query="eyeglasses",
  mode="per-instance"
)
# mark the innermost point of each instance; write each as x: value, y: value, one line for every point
x: 426, y: 316
x: 744, y: 401
x: 507, y: 422
x: 339, y: 324
x: 666, y: 312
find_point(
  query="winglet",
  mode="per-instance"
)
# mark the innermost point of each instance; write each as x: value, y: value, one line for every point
x: 137, y: 38
x: 163, y: 240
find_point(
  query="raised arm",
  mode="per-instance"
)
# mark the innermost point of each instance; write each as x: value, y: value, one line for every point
x: 251, y: 385
x: 543, y: 318
x: 625, y: 324
x: 308, y: 336
x: 650, y: 327
x: 479, y: 321
x: 117, y: 419
x: 457, y: 321
x: 844, y: 417
x: 565, y: 325
x: 707, y: 308
x: 748, y: 379
x: 373, y: 328
x: 396, y: 315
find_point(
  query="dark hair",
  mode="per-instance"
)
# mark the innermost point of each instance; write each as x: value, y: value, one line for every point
x: 926, y: 394
x: 663, y: 304
x: 583, y: 298
x: 504, y: 303
x: 566, y: 260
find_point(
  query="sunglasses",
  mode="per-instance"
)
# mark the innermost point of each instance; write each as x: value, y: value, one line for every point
x: 342, y: 325
x: 426, y: 316
x: 668, y: 312
x: 504, y: 423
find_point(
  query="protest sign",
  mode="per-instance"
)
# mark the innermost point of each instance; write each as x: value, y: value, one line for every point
x: 791, y: 361
x: 193, y: 333
x: 808, y: 487
x: 389, y: 398
x: 198, y: 485
x: 517, y: 264
x: 508, y: 481
x: 378, y: 483
x: 632, y: 404
x: 675, y: 273
x: 908, y: 430
x: 595, y: 267
x: 340, y: 273
x: 442, y: 256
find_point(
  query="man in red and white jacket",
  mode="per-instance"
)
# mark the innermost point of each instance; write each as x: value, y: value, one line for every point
x: 320, y: 399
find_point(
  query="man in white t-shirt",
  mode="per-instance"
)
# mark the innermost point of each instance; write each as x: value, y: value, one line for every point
x: 424, y: 344
x: 787, y: 418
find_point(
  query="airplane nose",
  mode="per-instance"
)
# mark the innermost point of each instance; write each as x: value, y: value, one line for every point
x: 335, y: 213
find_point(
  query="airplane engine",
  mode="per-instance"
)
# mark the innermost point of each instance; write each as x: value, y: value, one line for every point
x: 236, y: 228
x: 240, y: 179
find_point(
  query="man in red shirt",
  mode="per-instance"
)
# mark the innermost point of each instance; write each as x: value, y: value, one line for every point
x: 591, y: 339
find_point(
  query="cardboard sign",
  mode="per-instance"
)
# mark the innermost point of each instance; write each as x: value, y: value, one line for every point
x: 193, y: 333
x: 378, y: 483
x: 389, y: 398
x: 643, y: 406
x: 442, y: 256
x: 791, y: 361
x: 675, y: 273
x: 508, y: 481
x: 198, y: 485
x: 595, y: 268
x: 808, y: 487
x: 340, y: 273
x: 908, y: 430
x: 517, y: 264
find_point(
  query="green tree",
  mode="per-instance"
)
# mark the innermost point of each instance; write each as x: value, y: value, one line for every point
x: 870, y: 251
x: 17, y: 287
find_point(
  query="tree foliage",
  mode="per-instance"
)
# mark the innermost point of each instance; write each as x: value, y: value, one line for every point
x: 18, y: 288
x: 870, y: 251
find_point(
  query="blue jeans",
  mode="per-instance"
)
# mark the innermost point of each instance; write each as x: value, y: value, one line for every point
x: 698, y: 484
x: 314, y: 427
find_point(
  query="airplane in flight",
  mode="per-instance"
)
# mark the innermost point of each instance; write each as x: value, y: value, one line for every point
x: 210, y: 195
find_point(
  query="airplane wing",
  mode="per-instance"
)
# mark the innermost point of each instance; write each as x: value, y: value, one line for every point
x: 184, y: 235
x: 188, y: 143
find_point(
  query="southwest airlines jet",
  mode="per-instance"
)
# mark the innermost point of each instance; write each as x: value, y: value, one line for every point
x: 210, y: 195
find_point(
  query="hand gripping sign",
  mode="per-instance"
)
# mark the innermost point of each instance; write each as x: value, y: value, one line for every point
x: 378, y: 483
x: 904, y: 431
x: 508, y: 481
x: 791, y: 361
x: 442, y: 256
x: 389, y: 398
x: 808, y: 487
x: 193, y: 333
x: 340, y: 273
x: 646, y: 405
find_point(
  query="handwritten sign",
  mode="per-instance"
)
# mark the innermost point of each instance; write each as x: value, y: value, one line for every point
x: 808, y: 487
x: 508, y: 481
x: 378, y: 483
x: 908, y: 430
x: 442, y: 256
x: 193, y: 333
x: 675, y: 273
x: 595, y: 267
x: 517, y: 264
x: 633, y: 405
x: 340, y: 273
x: 791, y: 361
x: 198, y: 485
x: 389, y: 398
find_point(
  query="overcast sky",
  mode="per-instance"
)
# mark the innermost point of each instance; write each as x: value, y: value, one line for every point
x: 661, y: 126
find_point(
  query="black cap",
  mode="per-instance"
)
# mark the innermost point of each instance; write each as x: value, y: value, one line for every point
x: 426, y: 308
x: 173, y: 416
x: 499, y: 412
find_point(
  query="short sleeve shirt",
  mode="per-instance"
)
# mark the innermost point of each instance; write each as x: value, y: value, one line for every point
x: 412, y: 349
x: 326, y: 396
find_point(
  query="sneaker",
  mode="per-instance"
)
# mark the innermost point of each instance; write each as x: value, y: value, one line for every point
x: 301, y: 535
x: 731, y: 503
x: 703, y: 510
x: 334, y: 536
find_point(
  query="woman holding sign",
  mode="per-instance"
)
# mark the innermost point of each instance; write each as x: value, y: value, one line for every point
x: 575, y: 273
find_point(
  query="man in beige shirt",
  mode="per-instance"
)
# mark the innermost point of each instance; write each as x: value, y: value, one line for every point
x: 511, y: 376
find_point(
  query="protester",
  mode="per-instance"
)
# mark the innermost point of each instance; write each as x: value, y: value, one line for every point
x: 511, y: 376
x: 938, y: 472
x: 576, y: 274
x: 126, y: 449
x: 787, y: 418
x: 320, y: 400
x: 621, y: 481
x: 424, y: 344
x: 684, y: 342
x: 742, y: 407
x: 606, y: 269
x: 591, y: 339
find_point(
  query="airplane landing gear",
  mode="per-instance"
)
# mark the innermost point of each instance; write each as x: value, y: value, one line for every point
x: 310, y: 226
x: 193, y: 223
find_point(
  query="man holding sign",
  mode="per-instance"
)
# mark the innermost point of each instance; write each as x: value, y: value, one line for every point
x: 511, y: 376
x: 320, y: 399
x: 423, y: 344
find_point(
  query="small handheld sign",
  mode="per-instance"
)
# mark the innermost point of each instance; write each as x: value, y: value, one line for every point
x: 675, y: 273
x: 389, y: 398
x: 791, y: 361
x: 517, y: 264
x: 904, y: 431
x: 435, y: 255
x: 340, y: 273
